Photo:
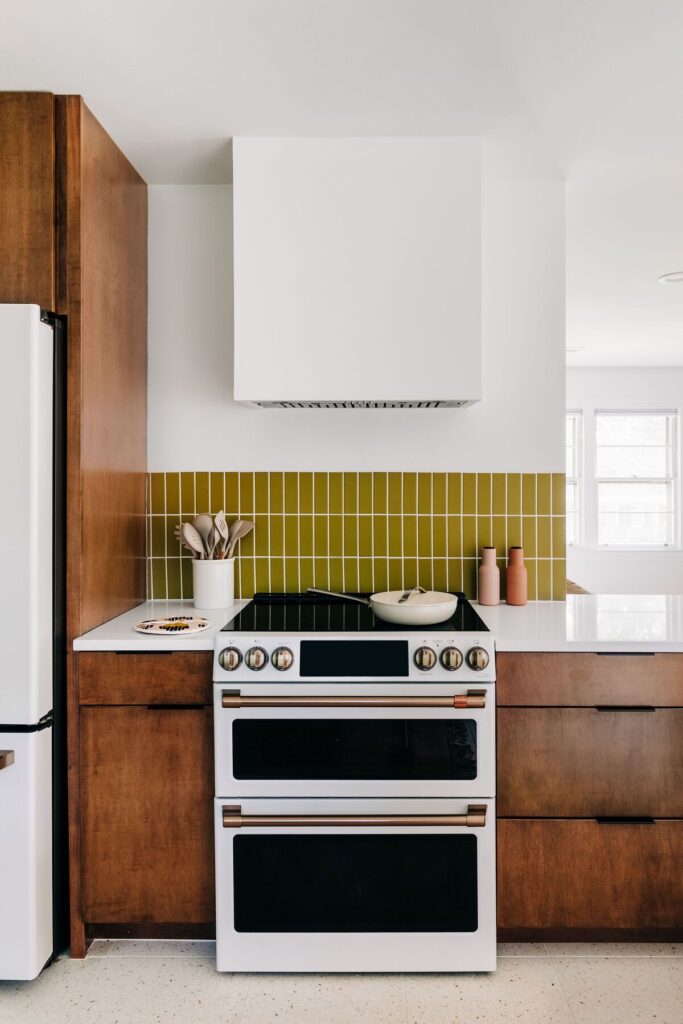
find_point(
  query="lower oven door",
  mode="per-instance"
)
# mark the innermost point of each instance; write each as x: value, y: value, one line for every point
x: 355, y: 745
x: 355, y: 885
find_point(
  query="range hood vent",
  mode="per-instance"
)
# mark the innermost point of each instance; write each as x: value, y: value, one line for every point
x: 357, y: 269
x: 361, y: 405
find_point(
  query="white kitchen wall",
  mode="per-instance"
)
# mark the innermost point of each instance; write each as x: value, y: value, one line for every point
x: 195, y: 424
x: 638, y: 571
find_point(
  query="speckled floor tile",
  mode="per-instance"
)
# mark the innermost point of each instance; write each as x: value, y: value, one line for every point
x: 325, y: 999
x: 521, y: 949
x: 126, y: 990
x: 151, y: 947
x: 599, y: 949
x: 623, y: 990
x: 523, y: 990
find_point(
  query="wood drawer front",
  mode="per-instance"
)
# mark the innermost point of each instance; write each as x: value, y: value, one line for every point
x: 176, y: 677
x: 581, y: 762
x: 147, y: 815
x: 578, y: 680
x: 559, y: 875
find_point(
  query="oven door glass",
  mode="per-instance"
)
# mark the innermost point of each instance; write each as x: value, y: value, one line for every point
x: 360, y: 748
x: 355, y: 883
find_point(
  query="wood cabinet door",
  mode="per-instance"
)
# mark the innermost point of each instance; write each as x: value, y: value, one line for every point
x: 583, y: 680
x: 147, y: 815
x: 557, y: 876
x: 145, y: 677
x: 27, y: 199
x: 585, y: 762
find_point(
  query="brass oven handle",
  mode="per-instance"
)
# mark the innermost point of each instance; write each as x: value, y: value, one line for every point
x: 6, y: 758
x: 472, y: 699
x: 233, y: 818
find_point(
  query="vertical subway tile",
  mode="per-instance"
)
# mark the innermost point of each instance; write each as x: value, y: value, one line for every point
x: 379, y: 492
x: 202, y: 492
x: 425, y: 573
x: 454, y: 526
x: 380, y: 575
x: 440, y: 576
x: 291, y: 536
x: 277, y: 536
x: 305, y: 573
x: 409, y: 577
x: 157, y: 492
x: 336, y: 573
x: 276, y: 484
x: 559, y: 494
x: 439, y: 494
x: 454, y: 493
x: 365, y: 536
x: 261, y: 492
x: 395, y: 570
x: 543, y: 494
x: 351, y: 575
x: 231, y: 495
x: 306, y: 493
x: 350, y: 535
x: 544, y: 580
x: 439, y: 547
x: 484, y: 532
x: 454, y: 574
x: 320, y: 481
x: 424, y: 536
x: 320, y: 526
x: 261, y: 575
x: 217, y: 491
x: 173, y: 576
x: 514, y: 494
x: 514, y: 529
x: 365, y: 493
x: 409, y: 537
x: 469, y: 577
x: 277, y: 575
x: 291, y: 493
x: 306, y: 536
x: 499, y: 539
x: 350, y: 489
x: 172, y: 494
x: 379, y: 538
x: 321, y: 575
x: 247, y: 577
x: 529, y: 536
x: 365, y: 576
x: 246, y: 484
x: 409, y: 493
x: 424, y: 493
x: 559, y: 571
x: 469, y: 536
x: 187, y: 505
x: 531, y: 576
x: 544, y: 543
x: 395, y: 496
x: 395, y: 536
x: 469, y: 493
x: 529, y: 494
x: 335, y: 493
x: 484, y: 494
x: 498, y: 498
x: 292, y: 574
x: 159, y: 578
x: 335, y: 542
x: 559, y: 537
x: 185, y: 578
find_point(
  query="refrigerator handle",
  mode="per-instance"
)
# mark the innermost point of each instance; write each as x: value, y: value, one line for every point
x: 6, y: 758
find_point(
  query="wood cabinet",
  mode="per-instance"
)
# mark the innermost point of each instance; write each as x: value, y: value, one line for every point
x: 146, y: 793
x: 147, y: 816
x: 585, y: 740
x: 573, y: 879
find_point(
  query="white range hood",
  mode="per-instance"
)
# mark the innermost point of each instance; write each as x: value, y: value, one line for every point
x: 357, y: 272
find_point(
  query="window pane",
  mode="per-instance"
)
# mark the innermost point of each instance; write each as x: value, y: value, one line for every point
x: 569, y: 428
x: 635, y: 513
x: 628, y: 461
x: 631, y: 429
x: 571, y: 512
x: 570, y: 469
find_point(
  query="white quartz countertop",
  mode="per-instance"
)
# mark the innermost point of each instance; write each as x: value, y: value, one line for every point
x: 119, y: 634
x: 592, y: 622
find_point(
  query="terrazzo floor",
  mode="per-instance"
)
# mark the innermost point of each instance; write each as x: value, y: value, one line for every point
x: 137, y: 982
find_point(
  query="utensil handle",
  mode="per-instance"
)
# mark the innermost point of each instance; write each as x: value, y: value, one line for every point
x: 343, y: 597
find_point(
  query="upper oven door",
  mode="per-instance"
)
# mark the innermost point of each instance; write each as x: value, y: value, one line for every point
x: 355, y: 744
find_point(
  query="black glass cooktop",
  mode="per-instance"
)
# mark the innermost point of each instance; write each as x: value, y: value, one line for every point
x: 314, y: 613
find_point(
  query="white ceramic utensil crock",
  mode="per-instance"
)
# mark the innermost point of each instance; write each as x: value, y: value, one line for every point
x: 213, y: 582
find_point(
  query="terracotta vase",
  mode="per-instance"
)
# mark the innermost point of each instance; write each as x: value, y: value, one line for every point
x: 489, y: 577
x: 516, y: 584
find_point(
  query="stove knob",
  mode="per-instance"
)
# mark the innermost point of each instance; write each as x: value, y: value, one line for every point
x: 425, y: 658
x: 256, y: 659
x: 282, y: 659
x: 230, y: 659
x: 477, y: 659
x: 451, y: 658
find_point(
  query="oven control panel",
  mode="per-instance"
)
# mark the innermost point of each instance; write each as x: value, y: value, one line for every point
x: 462, y: 657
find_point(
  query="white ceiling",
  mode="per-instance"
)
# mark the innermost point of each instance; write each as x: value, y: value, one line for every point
x: 584, y: 89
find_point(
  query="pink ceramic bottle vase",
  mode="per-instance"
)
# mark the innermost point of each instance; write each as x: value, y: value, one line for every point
x: 489, y: 577
x: 516, y: 584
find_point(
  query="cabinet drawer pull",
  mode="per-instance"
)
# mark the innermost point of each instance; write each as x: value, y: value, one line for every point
x: 625, y: 821
x: 472, y: 699
x: 624, y: 707
x: 6, y: 758
x: 233, y: 818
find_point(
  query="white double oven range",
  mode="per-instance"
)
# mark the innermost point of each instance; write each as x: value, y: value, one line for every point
x: 355, y: 790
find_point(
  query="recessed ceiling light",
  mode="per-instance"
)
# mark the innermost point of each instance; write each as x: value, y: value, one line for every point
x: 675, y: 278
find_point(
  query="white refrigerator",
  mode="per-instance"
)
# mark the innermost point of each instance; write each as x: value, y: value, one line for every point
x: 33, y: 880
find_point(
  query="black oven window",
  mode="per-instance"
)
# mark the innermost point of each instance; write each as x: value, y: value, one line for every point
x: 360, y: 748
x: 355, y: 883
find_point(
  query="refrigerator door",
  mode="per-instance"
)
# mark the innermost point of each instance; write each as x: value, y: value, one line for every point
x: 26, y: 853
x: 26, y: 426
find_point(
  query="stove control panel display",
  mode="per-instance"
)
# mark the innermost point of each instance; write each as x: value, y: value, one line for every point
x: 307, y: 659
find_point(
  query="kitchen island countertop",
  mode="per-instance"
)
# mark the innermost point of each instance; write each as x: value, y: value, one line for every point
x: 628, y: 623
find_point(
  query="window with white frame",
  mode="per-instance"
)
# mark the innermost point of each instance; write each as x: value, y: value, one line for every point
x: 635, y: 478
x: 573, y: 472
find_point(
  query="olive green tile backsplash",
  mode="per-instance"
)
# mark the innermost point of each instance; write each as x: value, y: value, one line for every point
x: 362, y: 531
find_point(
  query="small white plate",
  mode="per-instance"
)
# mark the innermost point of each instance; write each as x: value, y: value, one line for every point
x: 176, y: 625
